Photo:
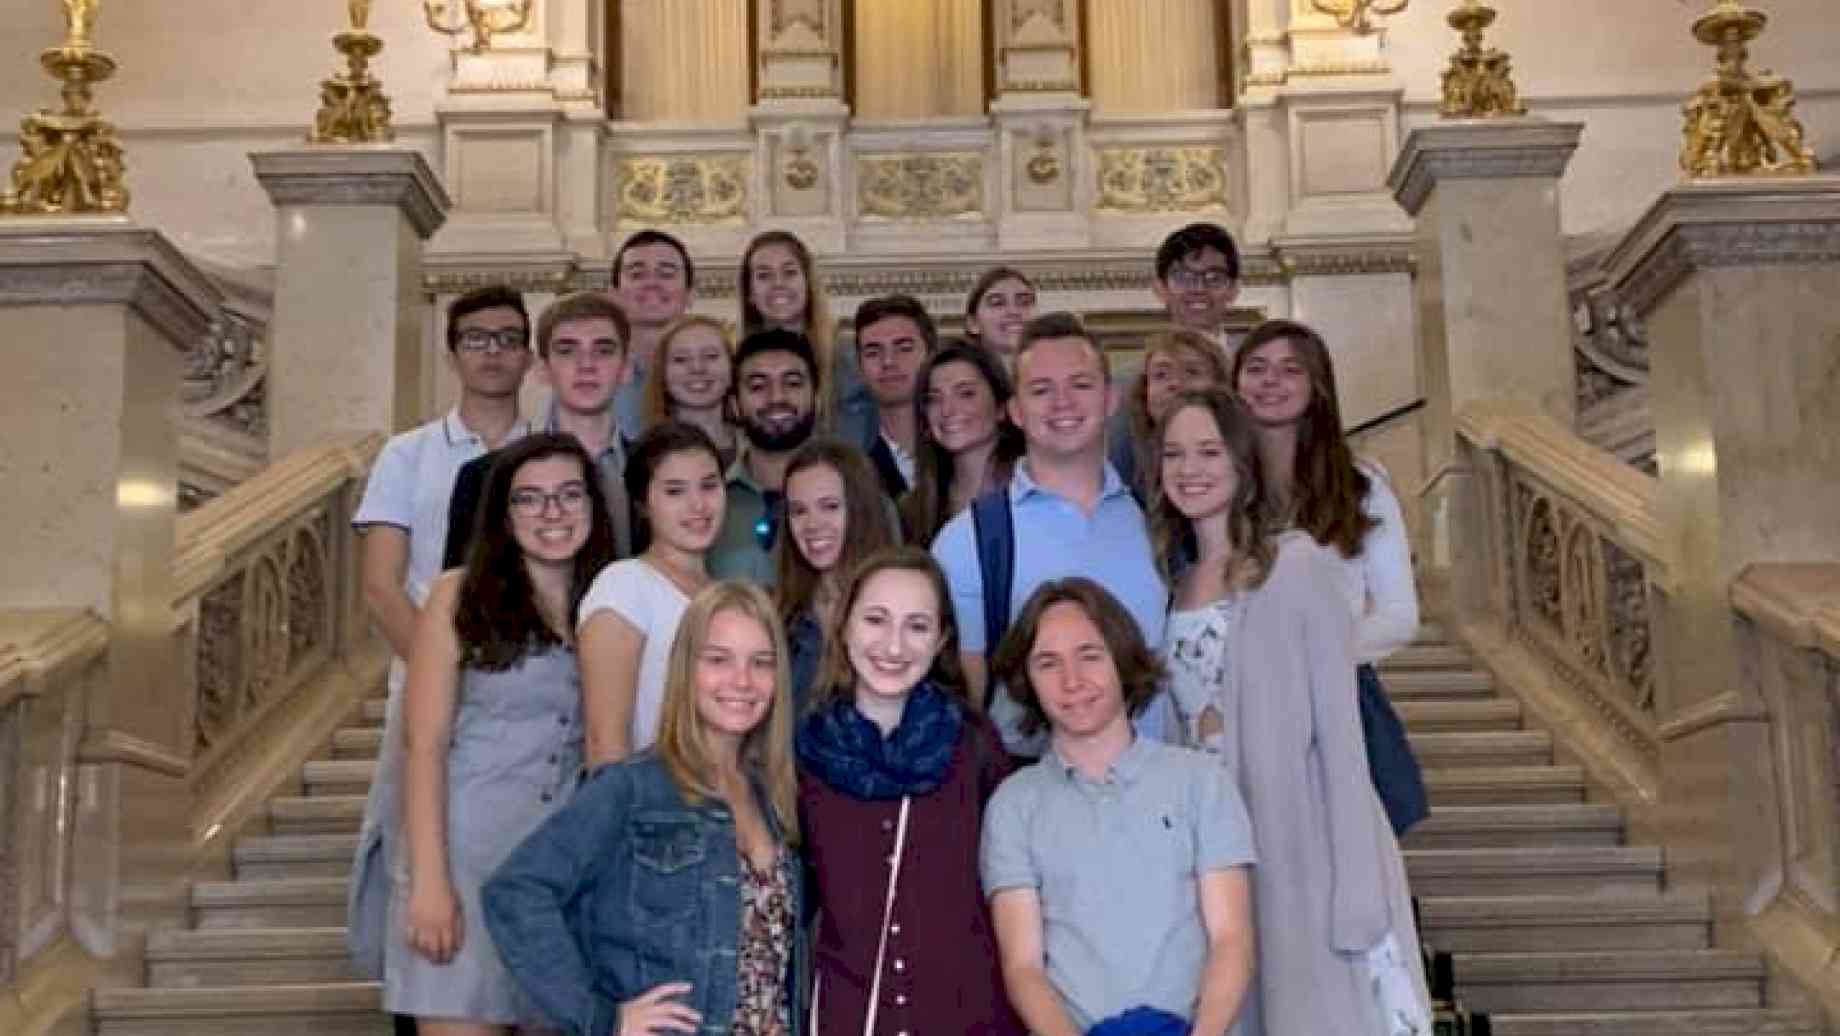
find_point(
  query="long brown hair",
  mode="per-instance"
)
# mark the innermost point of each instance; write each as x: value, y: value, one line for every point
x: 1326, y: 489
x: 766, y: 751
x: 657, y: 403
x: 865, y: 526
x: 1140, y: 672
x: 819, y: 327
x: 496, y: 617
x: 1172, y: 533
x: 925, y: 508
x: 836, y: 679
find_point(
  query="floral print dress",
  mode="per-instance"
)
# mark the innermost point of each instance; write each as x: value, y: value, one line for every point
x: 762, y: 1007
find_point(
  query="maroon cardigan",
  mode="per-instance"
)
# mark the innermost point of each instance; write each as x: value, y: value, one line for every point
x: 941, y: 974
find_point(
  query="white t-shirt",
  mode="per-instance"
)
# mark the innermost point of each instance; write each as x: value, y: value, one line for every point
x: 640, y: 594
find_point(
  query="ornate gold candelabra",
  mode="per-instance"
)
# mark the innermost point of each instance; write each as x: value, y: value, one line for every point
x: 1358, y: 14
x: 1478, y: 84
x: 70, y: 160
x: 484, y: 19
x: 1740, y: 123
x: 353, y: 108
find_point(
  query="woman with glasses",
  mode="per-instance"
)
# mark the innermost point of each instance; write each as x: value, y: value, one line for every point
x: 492, y: 729
x: 674, y: 479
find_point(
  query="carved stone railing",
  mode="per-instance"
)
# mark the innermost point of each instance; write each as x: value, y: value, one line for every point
x: 265, y: 583
x: 1788, y: 634
x: 1569, y: 546
x: 223, y: 399
x: 1610, y: 359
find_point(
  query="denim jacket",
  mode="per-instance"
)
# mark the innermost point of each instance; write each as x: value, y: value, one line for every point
x: 628, y: 887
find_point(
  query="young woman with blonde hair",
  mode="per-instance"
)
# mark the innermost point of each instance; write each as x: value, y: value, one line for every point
x: 666, y: 897
x: 1175, y: 362
x: 690, y: 381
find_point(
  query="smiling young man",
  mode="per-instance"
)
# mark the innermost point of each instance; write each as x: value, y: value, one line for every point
x: 1197, y: 279
x: 653, y: 282
x: 894, y: 336
x: 1079, y: 516
x: 1117, y: 868
x: 581, y: 342
x: 775, y: 392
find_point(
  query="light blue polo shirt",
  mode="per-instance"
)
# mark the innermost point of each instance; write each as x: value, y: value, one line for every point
x: 1054, y: 540
x: 1116, y: 864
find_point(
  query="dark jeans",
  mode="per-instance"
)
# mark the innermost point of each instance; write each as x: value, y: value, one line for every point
x: 1390, y: 762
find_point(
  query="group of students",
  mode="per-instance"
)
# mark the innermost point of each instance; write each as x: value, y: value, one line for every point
x: 715, y: 717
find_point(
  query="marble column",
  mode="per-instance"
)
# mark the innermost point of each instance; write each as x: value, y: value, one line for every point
x: 1490, y: 288
x: 1045, y: 165
x: 1737, y: 279
x: 346, y: 337
x: 799, y: 117
x: 100, y: 314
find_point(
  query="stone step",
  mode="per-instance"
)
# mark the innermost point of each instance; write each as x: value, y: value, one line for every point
x: 1609, y: 980
x: 1433, y: 716
x: 1573, y: 823
x: 1490, y: 748
x: 315, y: 814
x: 370, y: 712
x: 1468, y: 924
x: 1741, y: 1022
x: 213, y: 957
x: 294, y: 856
x: 346, y: 1008
x: 1431, y: 632
x: 1503, y: 785
x: 337, y: 776
x: 269, y: 903
x: 1438, y: 684
x: 1578, y: 871
x: 1421, y: 654
x: 357, y: 742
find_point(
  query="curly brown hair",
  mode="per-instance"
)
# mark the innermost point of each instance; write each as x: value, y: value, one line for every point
x: 1326, y: 489
x: 1140, y: 672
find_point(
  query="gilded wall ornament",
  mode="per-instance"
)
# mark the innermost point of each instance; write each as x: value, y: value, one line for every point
x: 1478, y: 83
x: 353, y: 108
x: 1740, y: 123
x: 69, y: 160
x: 787, y: 13
x: 682, y: 189
x: 923, y: 186
x: 482, y: 19
x: 1162, y: 179
x: 1358, y: 14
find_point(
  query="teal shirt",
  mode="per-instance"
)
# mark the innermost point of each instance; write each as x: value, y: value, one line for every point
x: 739, y: 551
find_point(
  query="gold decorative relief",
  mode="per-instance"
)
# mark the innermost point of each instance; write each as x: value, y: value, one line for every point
x: 353, y: 107
x: 1162, y: 179
x: 1478, y: 83
x: 1052, y: 11
x: 1358, y: 15
x: 787, y: 13
x: 69, y: 160
x: 483, y: 20
x: 1740, y: 123
x: 925, y: 186
x: 682, y: 189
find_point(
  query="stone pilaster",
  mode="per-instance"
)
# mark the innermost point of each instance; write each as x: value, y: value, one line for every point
x: 1490, y: 289
x: 1736, y: 279
x: 346, y: 341
x: 1037, y: 46
x: 1044, y: 167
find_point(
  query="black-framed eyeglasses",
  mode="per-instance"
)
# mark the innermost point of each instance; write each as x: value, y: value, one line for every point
x: 479, y: 339
x: 1213, y: 277
x: 532, y: 503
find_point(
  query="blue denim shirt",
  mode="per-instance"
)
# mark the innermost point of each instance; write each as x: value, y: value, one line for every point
x: 627, y: 887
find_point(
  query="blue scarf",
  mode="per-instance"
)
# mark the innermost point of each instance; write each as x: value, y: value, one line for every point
x: 840, y: 747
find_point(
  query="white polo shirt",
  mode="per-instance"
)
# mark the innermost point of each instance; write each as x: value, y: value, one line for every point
x: 411, y: 484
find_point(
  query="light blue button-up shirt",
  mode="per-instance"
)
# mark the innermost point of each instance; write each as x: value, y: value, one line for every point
x: 1056, y: 539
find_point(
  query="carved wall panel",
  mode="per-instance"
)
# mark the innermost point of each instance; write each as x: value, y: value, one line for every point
x: 1162, y: 179
x: 942, y: 185
x: 681, y: 189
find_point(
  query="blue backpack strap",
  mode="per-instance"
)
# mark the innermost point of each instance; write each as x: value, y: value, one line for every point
x: 995, y: 529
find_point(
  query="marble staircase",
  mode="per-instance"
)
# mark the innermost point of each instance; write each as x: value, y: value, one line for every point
x: 1557, y: 926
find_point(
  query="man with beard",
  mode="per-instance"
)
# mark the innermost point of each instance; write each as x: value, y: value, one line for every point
x: 776, y: 386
